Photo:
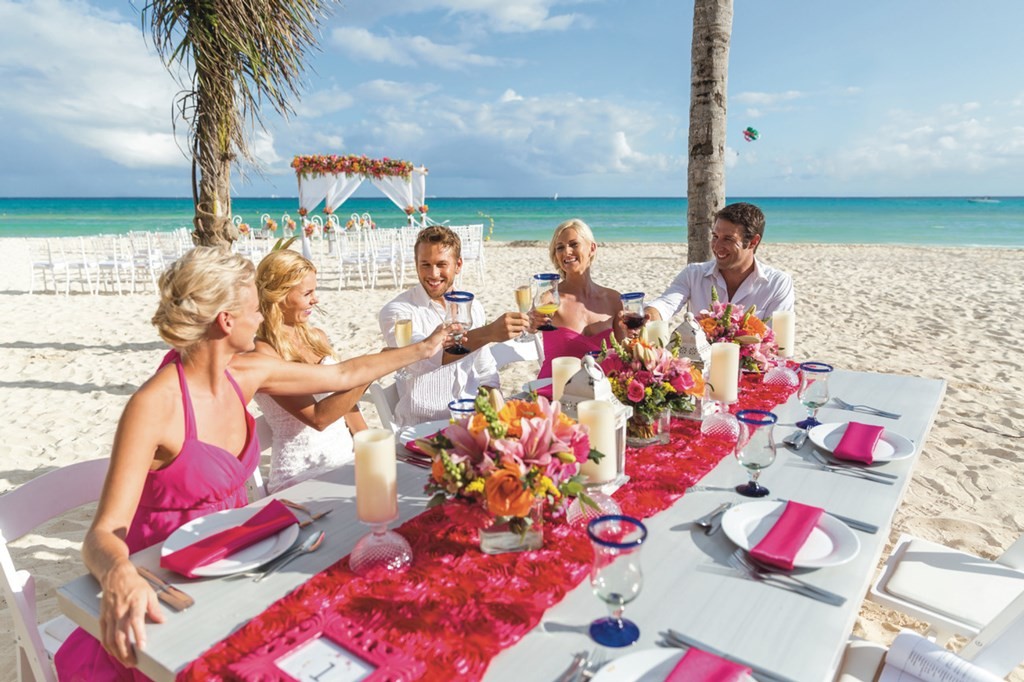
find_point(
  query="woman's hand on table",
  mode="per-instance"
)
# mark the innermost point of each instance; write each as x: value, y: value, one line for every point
x: 126, y: 602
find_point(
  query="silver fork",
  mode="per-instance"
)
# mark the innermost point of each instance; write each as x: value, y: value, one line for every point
x: 742, y: 563
x: 594, y: 663
x: 865, y: 408
x: 866, y: 474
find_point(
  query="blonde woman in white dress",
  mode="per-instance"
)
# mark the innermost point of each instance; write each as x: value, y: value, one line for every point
x: 312, y: 433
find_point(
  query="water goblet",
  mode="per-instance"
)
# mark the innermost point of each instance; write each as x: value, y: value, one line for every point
x: 755, y: 448
x: 633, y: 310
x: 461, y: 408
x: 524, y: 301
x: 458, y: 309
x: 782, y: 376
x: 545, y: 298
x: 615, y: 576
x: 813, y: 391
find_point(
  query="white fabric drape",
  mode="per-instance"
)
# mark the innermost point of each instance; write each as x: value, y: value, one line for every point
x: 313, y: 189
x: 397, y: 189
x: 341, y: 189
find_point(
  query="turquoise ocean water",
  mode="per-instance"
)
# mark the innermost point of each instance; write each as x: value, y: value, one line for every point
x: 949, y: 221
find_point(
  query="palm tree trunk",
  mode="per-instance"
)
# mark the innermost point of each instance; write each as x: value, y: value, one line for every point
x: 212, y: 157
x: 705, y: 182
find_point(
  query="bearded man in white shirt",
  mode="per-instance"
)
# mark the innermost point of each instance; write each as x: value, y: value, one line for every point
x: 426, y: 387
x: 735, y: 273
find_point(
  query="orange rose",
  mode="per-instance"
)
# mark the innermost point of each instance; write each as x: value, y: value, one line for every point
x: 506, y: 495
x: 755, y: 327
x: 698, y: 383
x: 437, y: 470
x: 708, y: 325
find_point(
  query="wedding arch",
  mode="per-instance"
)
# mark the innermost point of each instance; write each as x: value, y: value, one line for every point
x: 332, y: 179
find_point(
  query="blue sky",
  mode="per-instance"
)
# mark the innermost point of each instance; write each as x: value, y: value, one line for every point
x: 534, y: 97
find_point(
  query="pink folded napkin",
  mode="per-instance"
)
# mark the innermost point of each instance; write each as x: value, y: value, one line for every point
x: 411, y: 445
x: 264, y: 523
x: 700, y: 666
x: 858, y: 442
x: 785, y: 539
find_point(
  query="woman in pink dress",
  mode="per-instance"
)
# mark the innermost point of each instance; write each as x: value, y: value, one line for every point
x: 586, y: 310
x: 185, y: 444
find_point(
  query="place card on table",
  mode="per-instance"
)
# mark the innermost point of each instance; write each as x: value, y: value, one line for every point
x: 787, y: 536
x: 327, y: 647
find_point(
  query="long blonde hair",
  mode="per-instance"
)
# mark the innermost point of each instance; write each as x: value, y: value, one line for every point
x: 194, y: 290
x: 278, y: 273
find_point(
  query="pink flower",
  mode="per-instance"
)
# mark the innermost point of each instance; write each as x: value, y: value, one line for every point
x: 635, y: 392
x: 682, y: 382
x: 644, y: 377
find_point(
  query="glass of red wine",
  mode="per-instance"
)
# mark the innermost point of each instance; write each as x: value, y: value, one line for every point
x: 633, y: 310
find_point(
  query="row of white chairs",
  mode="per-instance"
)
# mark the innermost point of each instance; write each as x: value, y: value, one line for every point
x: 113, y: 263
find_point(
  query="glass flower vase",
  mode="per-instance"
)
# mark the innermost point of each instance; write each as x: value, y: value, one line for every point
x: 644, y: 430
x: 502, y: 534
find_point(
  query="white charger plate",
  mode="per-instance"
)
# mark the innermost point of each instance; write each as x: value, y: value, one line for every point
x: 830, y: 543
x: 890, y: 447
x: 646, y: 665
x: 247, y: 559
x: 421, y: 430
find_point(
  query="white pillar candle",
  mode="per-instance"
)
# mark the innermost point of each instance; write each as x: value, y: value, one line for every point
x: 724, y: 375
x: 599, y: 418
x: 657, y: 331
x: 376, y: 476
x: 784, y: 326
x: 562, y: 369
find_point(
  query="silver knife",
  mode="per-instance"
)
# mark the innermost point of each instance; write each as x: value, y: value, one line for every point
x: 679, y: 640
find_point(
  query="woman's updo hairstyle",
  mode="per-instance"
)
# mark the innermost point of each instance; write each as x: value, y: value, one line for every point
x: 195, y: 289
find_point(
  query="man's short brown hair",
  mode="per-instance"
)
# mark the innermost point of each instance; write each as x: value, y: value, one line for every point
x: 439, y: 234
x: 747, y: 216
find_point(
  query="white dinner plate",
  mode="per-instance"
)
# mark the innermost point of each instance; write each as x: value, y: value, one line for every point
x: 891, y: 446
x: 421, y: 430
x: 646, y: 665
x: 830, y: 543
x: 247, y: 559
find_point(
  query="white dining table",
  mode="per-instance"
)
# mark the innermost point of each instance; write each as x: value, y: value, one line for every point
x: 688, y: 583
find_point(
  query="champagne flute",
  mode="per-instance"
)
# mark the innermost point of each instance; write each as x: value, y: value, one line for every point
x: 458, y: 313
x: 813, y: 391
x: 545, y: 298
x: 615, y: 576
x: 403, y: 332
x: 755, y: 448
x: 524, y: 301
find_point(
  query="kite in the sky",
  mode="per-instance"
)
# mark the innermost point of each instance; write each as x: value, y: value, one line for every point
x: 751, y: 134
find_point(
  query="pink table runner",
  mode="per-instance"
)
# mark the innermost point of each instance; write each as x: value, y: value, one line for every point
x: 456, y: 608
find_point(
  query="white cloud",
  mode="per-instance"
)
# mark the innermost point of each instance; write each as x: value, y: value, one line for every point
x: 95, y: 84
x: 501, y: 16
x: 323, y: 102
x: 394, y: 91
x: 766, y: 99
x: 510, y: 96
x: 408, y: 51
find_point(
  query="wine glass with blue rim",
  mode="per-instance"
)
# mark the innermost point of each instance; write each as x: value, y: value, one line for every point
x: 545, y: 298
x: 615, y: 576
x: 458, y: 312
x: 813, y: 391
x: 755, y: 448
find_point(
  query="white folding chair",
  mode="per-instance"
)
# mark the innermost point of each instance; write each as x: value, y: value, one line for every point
x: 998, y: 648
x: 956, y: 593
x: 384, y: 399
x: 256, y: 487
x: 22, y: 510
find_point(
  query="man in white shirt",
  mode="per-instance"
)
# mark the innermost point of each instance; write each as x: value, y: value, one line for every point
x: 426, y: 387
x: 735, y: 273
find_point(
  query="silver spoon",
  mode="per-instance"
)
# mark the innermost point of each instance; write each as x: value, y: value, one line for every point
x: 311, y: 544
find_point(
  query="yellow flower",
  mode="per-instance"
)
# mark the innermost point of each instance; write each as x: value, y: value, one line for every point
x: 475, y: 486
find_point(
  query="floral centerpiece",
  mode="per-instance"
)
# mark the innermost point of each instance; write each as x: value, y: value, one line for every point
x: 351, y: 164
x: 651, y: 380
x: 515, y: 458
x: 270, y: 225
x: 727, y: 323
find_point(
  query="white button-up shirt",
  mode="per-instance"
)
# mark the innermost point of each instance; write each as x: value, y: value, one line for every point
x: 768, y: 288
x: 426, y: 387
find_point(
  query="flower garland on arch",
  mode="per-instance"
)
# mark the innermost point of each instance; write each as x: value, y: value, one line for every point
x: 352, y: 164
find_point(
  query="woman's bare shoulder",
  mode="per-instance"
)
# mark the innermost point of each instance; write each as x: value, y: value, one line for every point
x: 265, y: 348
x: 159, y: 394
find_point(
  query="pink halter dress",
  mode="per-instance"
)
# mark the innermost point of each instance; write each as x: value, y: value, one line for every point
x: 202, y: 479
x: 565, y: 342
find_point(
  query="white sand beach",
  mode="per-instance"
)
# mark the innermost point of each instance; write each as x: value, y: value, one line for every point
x: 68, y: 365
